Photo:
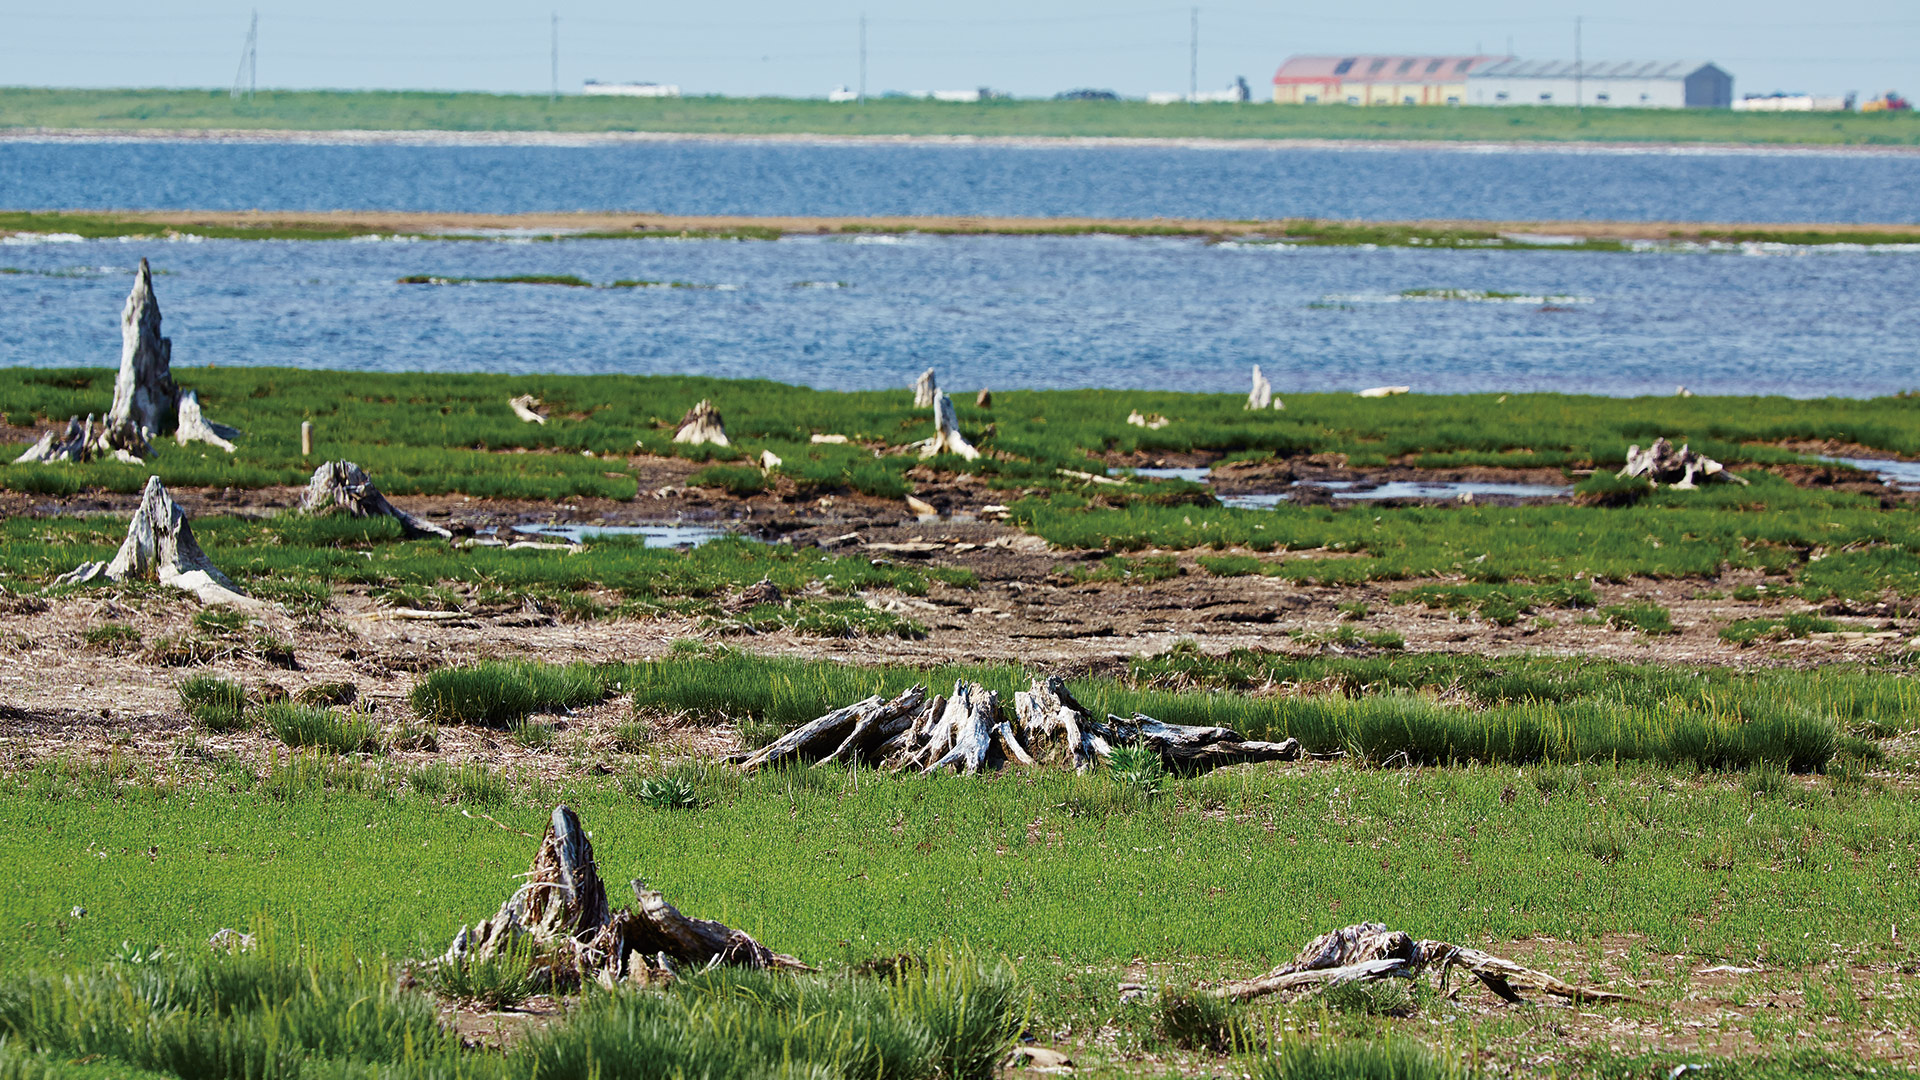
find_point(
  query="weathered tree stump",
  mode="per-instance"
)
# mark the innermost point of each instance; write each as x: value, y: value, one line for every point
x: 1368, y: 952
x: 702, y: 424
x: 562, y: 912
x: 160, y: 545
x: 1383, y: 391
x: 346, y: 486
x: 526, y: 407
x: 924, y: 389
x: 946, y: 431
x: 145, y: 400
x: 984, y: 399
x: 1261, y: 396
x: 193, y: 427
x: 1679, y: 469
x: 75, y: 445
x: 969, y: 733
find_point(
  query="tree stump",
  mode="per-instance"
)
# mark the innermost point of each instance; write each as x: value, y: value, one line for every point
x: 946, y: 431
x: 984, y: 399
x: 145, y: 399
x: 1370, y: 952
x: 563, y: 912
x: 1261, y: 396
x: 160, y: 545
x: 526, y: 407
x: 924, y: 389
x: 702, y: 424
x: 344, y: 485
x: 75, y: 445
x: 193, y: 427
x: 1679, y: 469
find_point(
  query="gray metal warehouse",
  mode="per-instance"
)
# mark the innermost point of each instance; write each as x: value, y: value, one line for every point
x: 1671, y: 84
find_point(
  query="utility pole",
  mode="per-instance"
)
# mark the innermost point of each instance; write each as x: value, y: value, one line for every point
x: 1193, y: 58
x: 1579, y: 72
x: 863, y: 58
x: 553, y: 95
x: 248, y: 73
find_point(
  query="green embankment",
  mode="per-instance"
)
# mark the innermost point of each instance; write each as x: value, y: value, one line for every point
x: 315, y: 110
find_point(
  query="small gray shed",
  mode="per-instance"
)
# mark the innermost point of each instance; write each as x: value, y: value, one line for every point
x: 1672, y: 84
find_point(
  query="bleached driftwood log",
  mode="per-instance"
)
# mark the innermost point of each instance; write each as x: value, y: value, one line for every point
x: 526, y: 407
x: 76, y: 444
x: 969, y: 732
x: 160, y: 545
x: 346, y: 486
x: 193, y: 427
x: 561, y: 916
x: 1383, y: 391
x: 1368, y: 952
x: 145, y: 400
x: 1662, y: 464
x: 770, y: 461
x: 946, y: 431
x: 702, y: 424
x: 924, y: 389
x: 1261, y: 396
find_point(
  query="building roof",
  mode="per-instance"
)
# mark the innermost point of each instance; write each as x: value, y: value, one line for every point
x: 1378, y: 68
x: 1591, y: 69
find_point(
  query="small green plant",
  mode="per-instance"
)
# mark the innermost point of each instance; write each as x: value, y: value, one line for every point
x: 1354, y: 612
x: 532, y: 735
x: 477, y: 782
x: 1195, y: 1021
x: 1357, y: 1059
x: 1797, y: 625
x: 495, y: 982
x: 1229, y: 565
x: 1137, y: 766
x: 112, y: 637
x: 733, y: 479
x: 215, y: 704
x: 215, y: 621
x: 499, y: 693
x: 1142, y: 571
x: 630, y: 736
x: 308, y: 725
x: 1644, y: 616
x: 667, y: 793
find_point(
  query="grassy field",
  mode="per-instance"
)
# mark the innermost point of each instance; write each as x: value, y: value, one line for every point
x: 381, y: 110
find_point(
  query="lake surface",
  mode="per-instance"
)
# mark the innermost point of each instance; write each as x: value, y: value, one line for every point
x: 1043, y: 180
x: 1004, y: 312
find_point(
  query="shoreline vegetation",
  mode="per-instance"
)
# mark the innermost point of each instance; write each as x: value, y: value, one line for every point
x: 1596, y: 236
x: 24, y: 108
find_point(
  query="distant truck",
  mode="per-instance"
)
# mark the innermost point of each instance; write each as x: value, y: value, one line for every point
x: 1793, y: 103
x: 1888, y: 102
x: 596, y: 88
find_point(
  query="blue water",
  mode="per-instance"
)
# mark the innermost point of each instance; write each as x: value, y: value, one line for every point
x: 745, y: 177
x: 1003, y: 312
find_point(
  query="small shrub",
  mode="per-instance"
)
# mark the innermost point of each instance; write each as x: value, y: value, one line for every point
x: 215, y: 704
x: 631, y: 737
x: 1646, y: 617
x: 1201, y: 1021
x: 533, y: 736
x: 1137, y: 766
x: 496, y: 982
x: 306, y: 725
x: 1606, y: 489
x: 112, y: 637
x: 337, y: 694
x: 500, y: 693
x: 667, y: 793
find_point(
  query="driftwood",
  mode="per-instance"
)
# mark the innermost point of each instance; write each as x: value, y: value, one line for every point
x: 561, y: 916
x: 702, y: 424
x: 1261, y: 396
x: 344, y: 485
x: 145, y: 399
x: 75, y: 445
x: 1662, y: 464
x: 526, y: 407
x: 770, y: 461
x: 160, y: 545
x: 969, y: 732
x: 193, y: 427
x: 946, y: 431
x: 924, y: 389
x: 1383, y: 391
x: 1368, y: 952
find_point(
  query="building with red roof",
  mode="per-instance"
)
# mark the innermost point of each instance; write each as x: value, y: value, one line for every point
x: 1376, y: 80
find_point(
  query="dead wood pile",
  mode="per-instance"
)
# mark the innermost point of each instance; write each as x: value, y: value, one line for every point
x: 561, y: 916
x: 1660, y: 463
x: 702, y: 424
x: 1369, y: 952
x: 969, y: 731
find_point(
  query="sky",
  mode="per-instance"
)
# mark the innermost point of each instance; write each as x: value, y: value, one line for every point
x: 1031, y: 48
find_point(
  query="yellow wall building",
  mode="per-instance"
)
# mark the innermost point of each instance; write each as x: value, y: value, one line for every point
x: 1376, y: 80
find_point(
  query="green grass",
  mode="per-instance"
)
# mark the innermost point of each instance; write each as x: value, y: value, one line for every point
x: 214, y: 703
x: 314, y: 725
x: 501, y: 693
x: 414, y: 110
x: 1797, y: 625
x: 1501, y: 604
x: 1645, y: 617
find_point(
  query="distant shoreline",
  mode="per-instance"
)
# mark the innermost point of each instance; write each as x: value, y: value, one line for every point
x: 582, y: 139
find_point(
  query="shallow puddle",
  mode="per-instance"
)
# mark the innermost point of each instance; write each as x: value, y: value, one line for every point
x: 1904, y: 475
x: 657, y: 536
x: 1401, y: 489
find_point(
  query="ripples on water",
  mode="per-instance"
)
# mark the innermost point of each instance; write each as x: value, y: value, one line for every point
x: 719, y: 177
x: 1005, y: 312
